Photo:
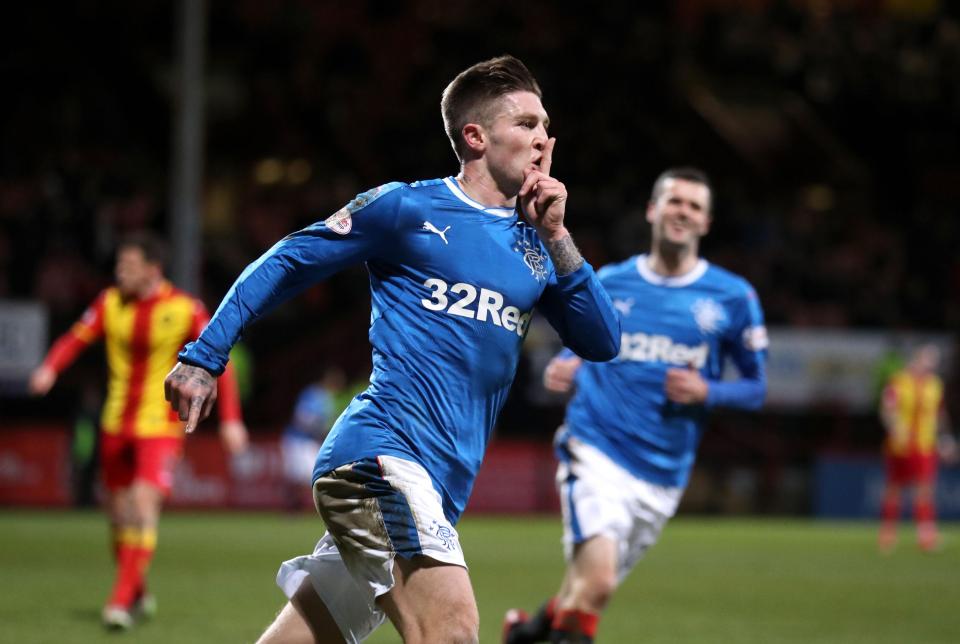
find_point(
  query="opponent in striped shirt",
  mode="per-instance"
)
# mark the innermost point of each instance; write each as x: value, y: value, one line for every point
x: 144, y: 321
x: 455, y: 274
x: 633, y: 426
x: 915, y: 419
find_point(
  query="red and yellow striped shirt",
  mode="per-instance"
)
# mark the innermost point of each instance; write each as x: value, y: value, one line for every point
x: 916, y: 403
x: 142, y: 338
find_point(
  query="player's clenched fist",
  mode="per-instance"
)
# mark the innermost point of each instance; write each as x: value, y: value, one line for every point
x: 686, y: 386
x: 558, y: 376
x: 191, y: 391
x: 543, y: 198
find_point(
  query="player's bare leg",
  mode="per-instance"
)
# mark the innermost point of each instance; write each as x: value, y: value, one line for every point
x: 432, y: 603
x: 572, y: 616
x: 589, y: 584
x: 592, y: 576
x: 303, y: 620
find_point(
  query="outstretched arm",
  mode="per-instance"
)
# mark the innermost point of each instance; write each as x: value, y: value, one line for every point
x: 84, y: 332
x: 294, y: 263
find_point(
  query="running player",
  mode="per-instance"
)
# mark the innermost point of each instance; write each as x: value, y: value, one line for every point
x: 145, y: 322
x: 634, y: 424
x: 455, y: 274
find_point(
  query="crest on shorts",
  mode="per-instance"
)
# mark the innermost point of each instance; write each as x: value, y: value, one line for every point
x: 446, y: 535
x: 533, y: 259
x: 340, y: 222
x: 708, y: 314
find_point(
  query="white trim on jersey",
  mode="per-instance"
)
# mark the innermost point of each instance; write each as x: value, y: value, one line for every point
x: 462, y: 196
x: 673, y: 281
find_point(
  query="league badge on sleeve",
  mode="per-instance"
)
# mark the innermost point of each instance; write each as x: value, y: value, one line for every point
x: 340, y: 222
x: 755, y: 338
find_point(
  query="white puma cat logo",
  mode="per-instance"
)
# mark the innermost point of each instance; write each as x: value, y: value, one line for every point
x: 443, y: 233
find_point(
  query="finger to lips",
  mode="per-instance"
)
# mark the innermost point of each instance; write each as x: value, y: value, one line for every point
x: 546, y: 160
x: 530, y: 182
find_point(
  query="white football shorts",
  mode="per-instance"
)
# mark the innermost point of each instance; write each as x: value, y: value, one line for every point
x: 374, y: 510
x: 599, y: 497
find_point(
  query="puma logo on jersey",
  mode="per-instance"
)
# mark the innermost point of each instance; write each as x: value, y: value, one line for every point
x: 624, y: 306
x: 489, y: 305
x: 641, y: 347
x: 443, y: 233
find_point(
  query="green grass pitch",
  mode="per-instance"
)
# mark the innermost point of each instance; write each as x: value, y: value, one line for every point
x: 709, y: 580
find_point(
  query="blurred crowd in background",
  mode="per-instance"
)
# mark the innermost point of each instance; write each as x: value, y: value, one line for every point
x: 830, y: 130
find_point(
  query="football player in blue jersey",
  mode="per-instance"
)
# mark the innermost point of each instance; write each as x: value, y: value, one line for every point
x: 633, y: 426
x: 455, y: 273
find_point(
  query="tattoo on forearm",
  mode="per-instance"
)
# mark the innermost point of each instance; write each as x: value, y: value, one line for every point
x: 565, y: 255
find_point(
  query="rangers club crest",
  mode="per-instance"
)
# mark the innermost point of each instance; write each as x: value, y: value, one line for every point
x: 708, y: 314
x: 533, y: 259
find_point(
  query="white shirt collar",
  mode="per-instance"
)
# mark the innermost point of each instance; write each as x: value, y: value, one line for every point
x: 462, y: 196
x: 686, y: 279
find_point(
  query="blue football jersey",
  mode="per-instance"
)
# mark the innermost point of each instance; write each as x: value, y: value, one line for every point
x: 313, y: 414
x: 699, y: 320
x: 453, y: 285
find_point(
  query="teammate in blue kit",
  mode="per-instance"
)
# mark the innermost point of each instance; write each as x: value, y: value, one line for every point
x: 633, y: 426
x: 455, y: 275
x: 313, y: 415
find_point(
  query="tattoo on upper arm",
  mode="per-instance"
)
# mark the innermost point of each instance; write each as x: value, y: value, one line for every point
x: 565, y: 255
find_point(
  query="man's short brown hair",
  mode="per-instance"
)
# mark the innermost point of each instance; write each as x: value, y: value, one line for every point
x: 152, y: 246
x: 470, y: 96
x: 685, y: 173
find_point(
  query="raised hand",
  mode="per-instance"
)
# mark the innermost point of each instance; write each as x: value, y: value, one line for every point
x: 543, y: 198
x: 191, y: 391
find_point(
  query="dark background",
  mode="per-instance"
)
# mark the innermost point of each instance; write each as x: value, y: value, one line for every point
x: 830, y: 130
